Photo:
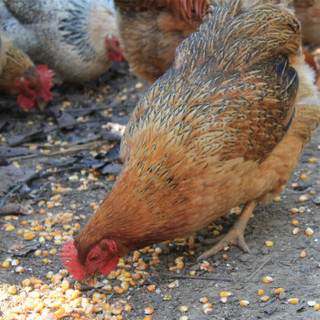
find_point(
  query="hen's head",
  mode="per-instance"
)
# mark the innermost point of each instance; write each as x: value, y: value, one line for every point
x: 100, y: 259
x: 34, y: 87
x: 114, y: 51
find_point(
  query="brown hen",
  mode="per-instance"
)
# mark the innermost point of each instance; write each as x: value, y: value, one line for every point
x: 216, y: 131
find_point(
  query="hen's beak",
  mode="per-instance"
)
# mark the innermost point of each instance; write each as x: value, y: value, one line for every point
x: 91, y: 279
x: 41, y: 104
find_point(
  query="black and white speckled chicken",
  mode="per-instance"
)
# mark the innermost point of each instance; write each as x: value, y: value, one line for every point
x: 76, y: 38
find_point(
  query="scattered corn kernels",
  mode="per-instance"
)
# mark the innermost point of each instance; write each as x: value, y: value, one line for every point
x: 296, y: 230
x: 303, y: 254
x: 293, y: 300
x: 244, y: 303
x: 278, y: 290
x: 203, y: 299
x: 148, y: 310
x: 12, y: 290
x: 184, y: 309
x: 309, y: 232
x: 268, y: 279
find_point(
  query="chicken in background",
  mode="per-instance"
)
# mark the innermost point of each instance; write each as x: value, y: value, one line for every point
x: 150, y: 31
x: 19, y: 76
x: 308, y: 12
x: 215, y: 131
x: 78, y: 39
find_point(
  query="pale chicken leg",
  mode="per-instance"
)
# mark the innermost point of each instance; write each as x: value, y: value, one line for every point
x: 235, y: 235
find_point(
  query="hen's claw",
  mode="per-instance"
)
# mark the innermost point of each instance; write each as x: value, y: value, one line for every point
x: 235, y: 235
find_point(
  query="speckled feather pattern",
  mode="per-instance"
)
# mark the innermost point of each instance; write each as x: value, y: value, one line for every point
x: 69, y: 36
x: 211, y: 133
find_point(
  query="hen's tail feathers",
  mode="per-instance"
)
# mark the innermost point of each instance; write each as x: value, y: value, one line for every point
x: 183, y: 8
x: 247, y: 33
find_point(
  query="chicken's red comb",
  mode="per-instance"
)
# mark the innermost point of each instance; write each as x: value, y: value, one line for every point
x: 69, y: 254
x: 46, y: 79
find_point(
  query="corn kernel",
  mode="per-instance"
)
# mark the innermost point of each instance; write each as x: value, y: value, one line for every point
x: 309, y: 232
x: 260, y: 292
x: 20, y: 269
x: 224, y: 299
x: 147, y: 318
x: 42, y: 211
x: 293, y: 300
x: 303, y: 254
x: 311, y: 303
x: 65, y: 285
x: 60, y: 313
x: 180, y: 265
x: 26, y: 283
x: 184, y: 317
x: 12, y: 290
x: 203, y: 299
x: 184, y: 309
x: 207, y: 305
x: 5, y: 264
x: 173, y: 284
x: 127, y: 308
x: 295, y: 222
x: 264, y: 298
x: 277, y: 199
x: 116, y: 311
x: 225, y: 294
x: 269, y: 243
x: 303, y: 198
x: 316, y: 307
x: 268, y: 279
x: 148, y: 310
x: 34, y: 294
x: 125, y: 286
x: 118, y: 290
x: 304, y: 176
x: 9, y: 227
x: 192, y: 273
x: 278, y: 290
x: 15, y: 262
x: 151, y: 287
x: 296, y: 230
x: 244, y: 303
x: 107, y: 287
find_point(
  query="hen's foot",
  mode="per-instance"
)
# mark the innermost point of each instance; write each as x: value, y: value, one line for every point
x: 235, y: 235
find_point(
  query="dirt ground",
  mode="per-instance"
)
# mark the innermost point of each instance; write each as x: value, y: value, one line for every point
x: 78, y: 155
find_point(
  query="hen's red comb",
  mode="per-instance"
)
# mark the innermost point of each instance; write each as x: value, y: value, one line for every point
x: 46, y: 79
x: 69, y: 254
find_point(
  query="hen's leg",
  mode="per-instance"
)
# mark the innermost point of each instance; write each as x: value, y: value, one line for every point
x: 235, y: 235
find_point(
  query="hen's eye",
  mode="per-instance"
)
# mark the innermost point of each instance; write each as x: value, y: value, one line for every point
x: 95, y: 257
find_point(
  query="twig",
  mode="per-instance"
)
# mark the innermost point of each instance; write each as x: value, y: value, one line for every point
x: 263, y: 264
x: 62, y: 152
x: 33, y: 176
x: 181, y: 276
